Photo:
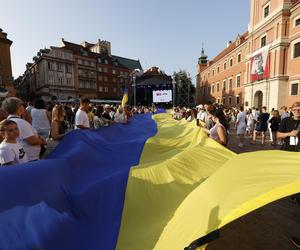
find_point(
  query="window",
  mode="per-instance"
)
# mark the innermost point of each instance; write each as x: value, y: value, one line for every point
x: 100, y: 78
x: 87, y: 85
x: 113, y: 72
x: 218, y: 100
x: 79, y: 61
x: 0, y: 80
x: 99, y: 69
x: 114, y: 80
x: 224, y: 65
x: 231, y: 62
x: 218, y: 87
x: 105, y: 89
x: 263, y: 41
x: 297, y: 50
x: 239, y: 57
x: 105, y: 79
x: 100, y: 89
x: 81, y: 84
x: 105, y: 70
x: 224, y: 100
x: 93, y: 85
x: 60, y: 80
x: 115, y: 90
x: 230, y: 84
x: 237, y: 100
x: 69, y: 81
x: 294, y: 88
x: 266, y: 11
x: 218, y: 69
x: 213, y: 72
x: 68, y: 68
x: 224, y: 85
x: 51, y: 65
x: 212, y: 88
x: 297, y: 22
x: 238, y: 81
x: 60, y: 67
x: 106, y: 61
x: 229, y: 100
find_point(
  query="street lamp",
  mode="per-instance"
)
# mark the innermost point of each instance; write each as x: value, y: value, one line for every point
x: 174, y: 87
x: 134, y: 90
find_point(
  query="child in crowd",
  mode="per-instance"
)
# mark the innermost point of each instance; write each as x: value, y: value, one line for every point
x: 11, y: 152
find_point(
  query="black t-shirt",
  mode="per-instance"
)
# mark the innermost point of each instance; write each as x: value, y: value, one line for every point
x: 262, y: 122
x: 288, y: 124
x: 106, y: 116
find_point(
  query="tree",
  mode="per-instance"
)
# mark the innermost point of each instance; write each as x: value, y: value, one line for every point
x: 184, y: 89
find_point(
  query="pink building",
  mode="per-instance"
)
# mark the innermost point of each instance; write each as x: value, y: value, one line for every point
x: 266, y: 59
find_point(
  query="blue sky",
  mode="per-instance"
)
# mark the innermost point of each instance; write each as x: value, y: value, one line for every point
x: 165, y: 33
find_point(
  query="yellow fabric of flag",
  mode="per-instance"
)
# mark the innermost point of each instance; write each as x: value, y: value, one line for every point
x: 125, y: 98
x: 187, y: 186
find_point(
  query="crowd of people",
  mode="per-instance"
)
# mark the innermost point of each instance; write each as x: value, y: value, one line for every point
x: 29, y: 132
x: 220, y: 122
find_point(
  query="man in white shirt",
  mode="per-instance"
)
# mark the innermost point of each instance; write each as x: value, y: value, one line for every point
x: 81, y: 118
x: 28, y: 137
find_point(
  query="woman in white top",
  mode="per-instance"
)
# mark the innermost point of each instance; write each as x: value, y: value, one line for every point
x: 250, y: 123
x: 241, y: 126
x: 120, y: 116
x: 57, y: 130
x: 40, y: 119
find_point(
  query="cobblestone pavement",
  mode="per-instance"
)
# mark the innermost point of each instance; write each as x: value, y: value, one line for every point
x: 268, y: 228
x: 248, y: 147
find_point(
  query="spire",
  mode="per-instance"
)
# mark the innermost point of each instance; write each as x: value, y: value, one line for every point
x: 203, y: 58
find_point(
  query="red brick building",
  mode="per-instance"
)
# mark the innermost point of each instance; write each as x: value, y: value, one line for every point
x: 75, y: 70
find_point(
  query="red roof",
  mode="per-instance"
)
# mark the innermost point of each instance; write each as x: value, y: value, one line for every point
x: 230, y: 48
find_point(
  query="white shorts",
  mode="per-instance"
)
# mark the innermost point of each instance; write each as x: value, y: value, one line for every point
x: 241, y: 130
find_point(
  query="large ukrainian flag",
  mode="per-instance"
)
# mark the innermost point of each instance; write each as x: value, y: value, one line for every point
x: 152, y: 184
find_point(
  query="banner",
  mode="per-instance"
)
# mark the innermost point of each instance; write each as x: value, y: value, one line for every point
x: 162, y: 96
x: 260, y: 66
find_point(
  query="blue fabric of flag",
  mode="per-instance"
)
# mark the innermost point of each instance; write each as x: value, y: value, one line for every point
x: 74, y: 199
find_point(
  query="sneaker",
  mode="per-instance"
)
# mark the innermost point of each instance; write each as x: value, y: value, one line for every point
x: 296, y: 242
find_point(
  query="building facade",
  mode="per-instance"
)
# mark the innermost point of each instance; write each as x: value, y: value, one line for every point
x: 269, y: 66
x: 74, y: 70
x: 6, y: 79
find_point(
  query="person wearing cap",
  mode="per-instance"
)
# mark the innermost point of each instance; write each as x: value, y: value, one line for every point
x: 28, y: 137
x: 201, y: 112
x: 81, y: 117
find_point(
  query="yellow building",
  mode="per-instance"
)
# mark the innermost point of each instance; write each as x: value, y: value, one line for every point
x: 6, y: 80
